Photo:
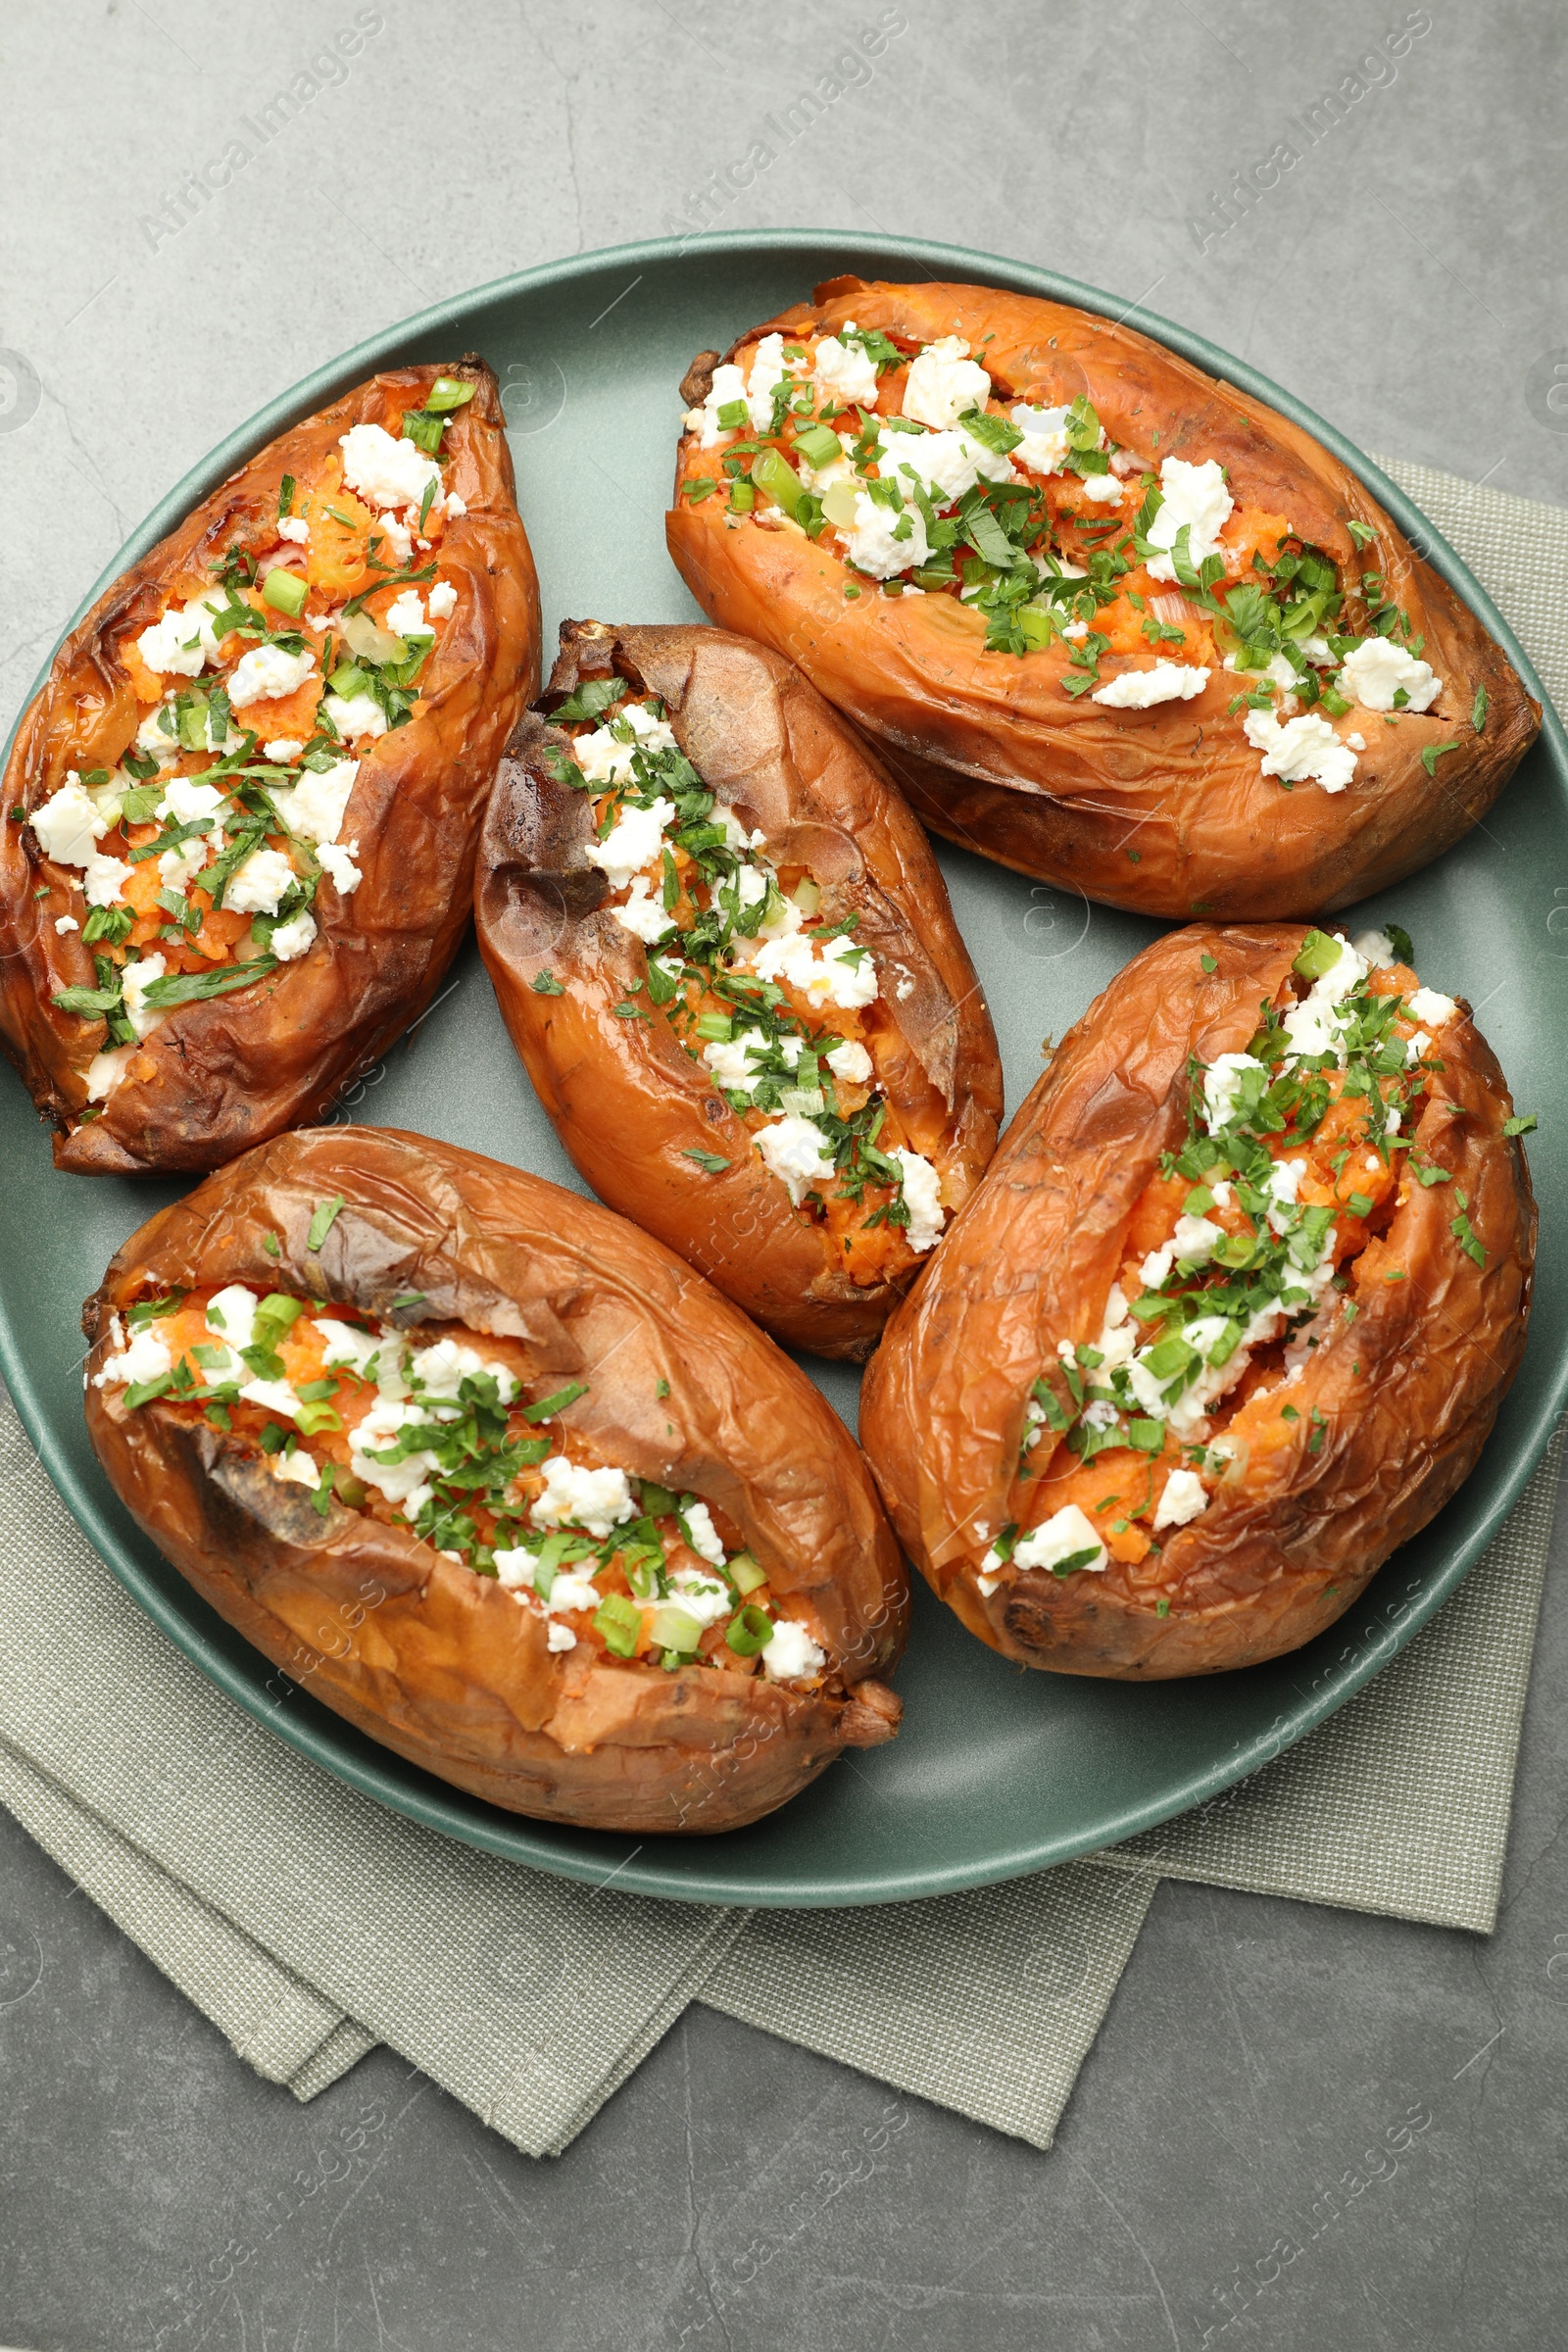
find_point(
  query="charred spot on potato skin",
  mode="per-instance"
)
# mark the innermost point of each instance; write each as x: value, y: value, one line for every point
x: 698, y: 380
x: 1029, y: 1619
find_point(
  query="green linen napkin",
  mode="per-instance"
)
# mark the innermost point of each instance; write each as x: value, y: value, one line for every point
x: 308, y: 1924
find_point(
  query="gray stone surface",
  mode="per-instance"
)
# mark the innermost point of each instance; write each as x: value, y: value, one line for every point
x: 1404, y: 275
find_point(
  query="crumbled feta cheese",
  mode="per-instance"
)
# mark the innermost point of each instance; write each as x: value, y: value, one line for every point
x: 728, y: 386
x: 65, y: 923
x: 266, y: 673
x: 559, y: 1637
x: 338, y: 862
x: 355, y: 715
x: 106, y: 1070
x: 1196, y: 1238
x: 294, y: 529
x: 406, y: 616
x: 1155, y: 1268
x: 1222, y: 1083
x: 634, y: 842
x: 514, y: 1567
x: 605, y: 758
x: 295, y: 937
x: 105, y: 879
x: 575, y: 1496
x: 68, y: 825
x: 298, y: 1468
x: 1376, y: 947
x: 792, y: 1656
x: 312, y: 810
x: 259, y: 883
x: 442, y: 601
x: 881, y: 543
x: 138, y: 979
x: 1044, y: 447
x: 403, y: 1482
x: 1304, y: 748
x: 145, y: 1356
x: 573, y: 1591
x: 944, y: 383
x: 1183, y: 1499
x: 283, y: 750
x: 399, y: 540
x: 850, y: 1061
x: 844, y: 372
x: 181, y: 644
x: 386, y: 473
x: 1415, y: 1046
x: 704, y: 1535
x: 456, y: 508
x: 705, y: 1598
x: 232, y: 1315
x: 731, y: 1060
x: 441, y: 1369
x: 346, y: 1344
x: 1193, y: 495
x: 643, y: 915
x: 767, y: 370
x: 1139, y: 689
x: 922, y: 1198
x: 152, y: 743
x: 947, y: 464
x: 1358, y: 743
x: 1066, y: 1532
x: 1426, y: 1004
x: 839, y: 973
x: 1376, y: 670
x: 793, y: 1149
x: 190, y: 802
x: 1103, y: 488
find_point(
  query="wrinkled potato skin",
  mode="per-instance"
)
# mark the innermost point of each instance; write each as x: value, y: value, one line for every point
x: 228, y: 1073
x: 625, y: 1098
x: 995, y: 757
x: 439, y: 1664
x: 1277, y: 1556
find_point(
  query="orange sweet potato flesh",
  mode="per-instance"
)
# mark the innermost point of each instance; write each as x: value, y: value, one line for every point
x: 1163, y: 811
x: 220, y: 1076
x: 628, y: 1102
x: 439, y: 1664
x: 1408, y: 1391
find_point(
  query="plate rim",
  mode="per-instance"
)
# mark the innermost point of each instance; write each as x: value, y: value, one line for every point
x: 587, y: 1856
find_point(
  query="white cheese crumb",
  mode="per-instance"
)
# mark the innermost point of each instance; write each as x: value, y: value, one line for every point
x: 1183, y: 1499
x: 355, y: 715
x: 1139, y: 689
x: 595, y: 1500
x: 294, y: 529
x: 1302, y: 750
x: 384, y: 471
x: 1058, y: 1539
x: 792, y: 1149
x: 844, y: 372
x: 295, y: 937
x: 922, y: 1198
x: 1426, y: 1004
x: 266, y: 672
x: 850, y: 1061
x: 1377, y: 669
x: 443, y: 599
x: 792, y: 1656
x: 68, y: 825
x: 1194, y: 496
x: 633, y: 842
x: 944, y: 383
x: 839, y: 973
x: 259, y: 883
x: 138, y: 979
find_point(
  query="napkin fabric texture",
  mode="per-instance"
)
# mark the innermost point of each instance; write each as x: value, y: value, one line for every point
x: 309, y: 1923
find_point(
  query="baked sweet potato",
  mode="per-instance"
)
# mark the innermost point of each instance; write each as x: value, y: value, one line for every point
x: 725, y: 950
x: 1109, y: 621
x: 503, y: 1481
x: 241, y: 816
x: 1229, y: 1319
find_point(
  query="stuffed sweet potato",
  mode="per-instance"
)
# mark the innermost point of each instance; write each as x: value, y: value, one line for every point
x: 1229, y: 1319
x: 725, y: 953
x: 1109, y: 621
x: 504, y: 1482
x: 240, y: 819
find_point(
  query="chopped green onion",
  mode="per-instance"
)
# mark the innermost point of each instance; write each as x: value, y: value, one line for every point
x: 447, y: 393
x: 323, y: 1221
x: 556, y: 1403
x: 671, y: 1628
x: 750, y: 1632
x: 745, y: 1574
x: 285, y: 591
x: 778, y: 480
x: 1319, y: 953
x: 618, y: 1622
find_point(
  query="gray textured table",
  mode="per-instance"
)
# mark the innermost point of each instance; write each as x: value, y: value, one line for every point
x: 1404, y: 275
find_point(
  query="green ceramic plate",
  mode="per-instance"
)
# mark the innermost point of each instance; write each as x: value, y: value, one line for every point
x: 998, y: 1770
